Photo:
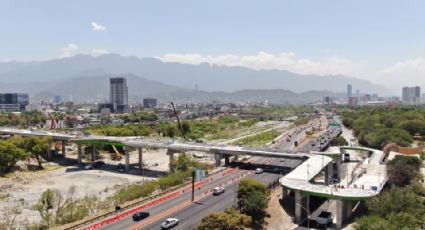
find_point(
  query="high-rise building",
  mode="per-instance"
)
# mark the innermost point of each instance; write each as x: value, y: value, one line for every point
x: 349, y: 90
x: 411, y: 95
x: 13, y: 102
x: 149, y: 103
x: 119, y: 94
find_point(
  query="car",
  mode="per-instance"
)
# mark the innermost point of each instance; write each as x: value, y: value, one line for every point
x: 313, y: 143
x: 140, y: 216
x: 258, y: 170
x: 88, y: 167
x: 218, y: 190
x: 288, y: 140
x: 169, y: 223
x: 120, y: 168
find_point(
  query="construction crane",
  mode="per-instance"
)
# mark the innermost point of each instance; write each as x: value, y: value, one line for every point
x: 178, y: 121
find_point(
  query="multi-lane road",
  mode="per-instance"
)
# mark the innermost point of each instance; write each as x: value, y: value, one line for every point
x: 190, y: 214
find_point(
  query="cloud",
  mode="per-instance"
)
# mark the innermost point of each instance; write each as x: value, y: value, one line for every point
x: 282, y: 61
x: 409, y: 72
x: 98, y: 52
x: 69, y: 50
x: 97, y: 27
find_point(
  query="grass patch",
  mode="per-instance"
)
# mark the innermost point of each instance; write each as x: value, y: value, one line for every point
x: 258, y: 140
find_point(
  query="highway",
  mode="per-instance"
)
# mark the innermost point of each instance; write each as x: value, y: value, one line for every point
x: 190, y: 214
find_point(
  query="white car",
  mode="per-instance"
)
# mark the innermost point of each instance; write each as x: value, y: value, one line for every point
x: 258, y: 171
x: 218, y: 190
x: 169, y: 223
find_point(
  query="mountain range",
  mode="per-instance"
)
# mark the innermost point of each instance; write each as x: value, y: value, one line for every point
x: 85, y: 78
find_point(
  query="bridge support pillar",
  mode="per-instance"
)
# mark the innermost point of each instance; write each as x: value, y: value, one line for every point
x: 284, y: 192
x: 127, y: 158
x: 217, y: 157
x: 226, y: 159
x: 93, y: 151
x: 64, y: 149
x: 328, y: 173
x: 338, y: 169
x: 170, y: 154
x: 235, y: 158
x: 302, y: 207
x: 140, y: 152
x: 343, y: 211
x: 80, y: 153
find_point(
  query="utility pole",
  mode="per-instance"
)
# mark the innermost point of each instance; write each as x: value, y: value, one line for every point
x: 193, y: 186
x: 178, y: 121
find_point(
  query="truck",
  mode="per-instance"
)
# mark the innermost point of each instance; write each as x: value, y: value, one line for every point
x: 324, y: 218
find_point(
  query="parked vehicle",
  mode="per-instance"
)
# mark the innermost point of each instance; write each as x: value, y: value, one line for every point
x: 218, y: 190
x: 169, y: 223
x: 346, y: 157
x: 140, y: 216
x: 258, y: 170
x: 324, y: 218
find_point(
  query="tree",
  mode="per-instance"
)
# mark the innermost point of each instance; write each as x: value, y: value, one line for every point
x: 10, y: 155
x: 185, y: 128
x: 230, y: 219
x: 253, y: 198
x: 39, y: 147
x: 170, y: 131
x: 402, y: 170
x: 338, y: 141
x: 398, y: 200
x: 45, y: 207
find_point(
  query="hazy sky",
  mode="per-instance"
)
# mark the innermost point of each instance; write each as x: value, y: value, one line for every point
x: 379, y: 40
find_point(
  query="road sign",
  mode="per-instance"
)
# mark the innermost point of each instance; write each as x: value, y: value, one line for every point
x: 200, y: 174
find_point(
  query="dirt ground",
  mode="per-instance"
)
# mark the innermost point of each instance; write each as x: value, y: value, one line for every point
x: 26, y: 188
x: 279, y: 218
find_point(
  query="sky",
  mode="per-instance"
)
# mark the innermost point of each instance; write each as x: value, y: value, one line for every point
x: 381, y: 40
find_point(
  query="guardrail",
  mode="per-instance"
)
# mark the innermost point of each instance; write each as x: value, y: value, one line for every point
x: 172, y: 191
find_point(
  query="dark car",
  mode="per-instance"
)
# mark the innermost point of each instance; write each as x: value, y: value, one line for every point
x: 140, y: 216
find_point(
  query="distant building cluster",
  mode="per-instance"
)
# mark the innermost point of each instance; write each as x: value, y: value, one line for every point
x: 13, y: 102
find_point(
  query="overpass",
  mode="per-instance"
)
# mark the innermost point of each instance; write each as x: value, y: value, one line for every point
x: 366, y: 183
x: 219, y: 151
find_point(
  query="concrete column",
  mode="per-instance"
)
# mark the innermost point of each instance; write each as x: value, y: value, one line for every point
x: 302, y: 207
x: 64, y: 149
x: 226, y: 159
x: 127, y: 158
x: 298, y: 207
x: 328, y: 173
x: 236, y: 158
x: 80, y: 153
x: 217, y: 157
x: 93, y: 151
x: 338, y: 169
x: 49, y: 154
x: 284, y: 192
x: 170, y: 154
x: 341, y: 212
x: 139, y: 150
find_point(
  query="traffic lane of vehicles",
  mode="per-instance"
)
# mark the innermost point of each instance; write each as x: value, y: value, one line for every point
x: 127, y: 222
x: 191, y: 215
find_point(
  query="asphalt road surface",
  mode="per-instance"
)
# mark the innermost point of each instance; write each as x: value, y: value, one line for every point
x: 190, y: 214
